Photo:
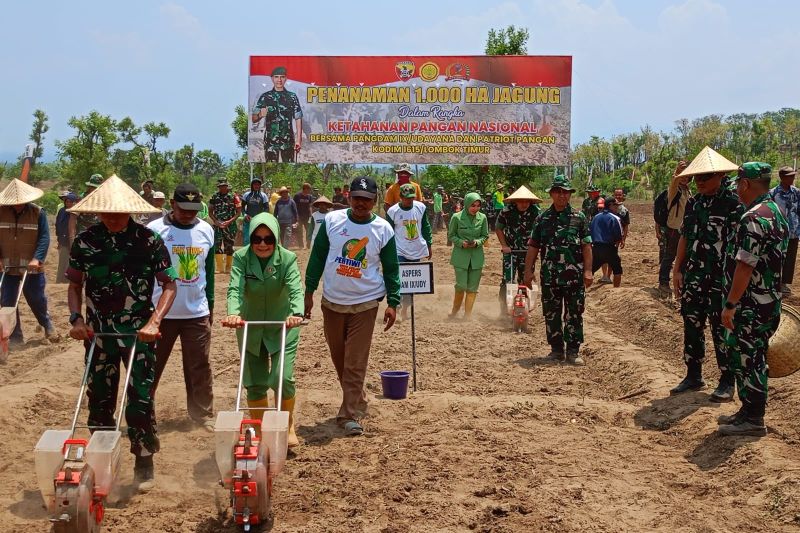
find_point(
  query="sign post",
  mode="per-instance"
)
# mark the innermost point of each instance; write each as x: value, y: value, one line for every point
x: 415, y: 278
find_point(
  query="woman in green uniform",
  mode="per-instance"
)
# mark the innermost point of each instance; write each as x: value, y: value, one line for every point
x: 468, y: 230
x: 265, y: 285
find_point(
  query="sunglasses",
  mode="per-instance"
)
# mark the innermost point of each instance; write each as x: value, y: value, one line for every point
x: 269, y: 239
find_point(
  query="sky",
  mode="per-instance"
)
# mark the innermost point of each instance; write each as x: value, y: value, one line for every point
x: 635, y: 62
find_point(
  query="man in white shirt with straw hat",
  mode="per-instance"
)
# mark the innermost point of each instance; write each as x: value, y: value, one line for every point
x: 118, y: 261
x: 24, y: 240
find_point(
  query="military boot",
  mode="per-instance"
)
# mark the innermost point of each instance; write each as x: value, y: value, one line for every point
x: 732, y: 419
x: 556, y: 353
x: 573, y: 357
x: 143, y: 474
x: 745, y: 427
x: 693, y: 380
x: 725, y: 389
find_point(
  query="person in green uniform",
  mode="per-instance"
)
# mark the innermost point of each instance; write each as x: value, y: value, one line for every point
x: 283, y: 119
x: 589, y: 205
x: 265, y: 285
x: 562, y: 235
x: 88, y: 219
x: 498, y: 197
x: 223, y: 212
x: 468, y: 231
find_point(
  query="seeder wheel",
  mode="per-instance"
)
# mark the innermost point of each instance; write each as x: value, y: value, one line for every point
x: 76, y: 510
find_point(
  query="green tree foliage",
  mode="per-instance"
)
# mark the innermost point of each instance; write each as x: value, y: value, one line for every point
x: 88, y: 151
x: 40, y: 127
x: 507, y: 42
x: 240, y: 126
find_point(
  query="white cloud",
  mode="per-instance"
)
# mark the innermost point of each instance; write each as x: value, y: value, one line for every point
x: 181, y: 20
x: 693, y: 14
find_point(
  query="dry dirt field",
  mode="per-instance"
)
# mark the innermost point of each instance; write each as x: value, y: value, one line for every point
x: 497, y: 438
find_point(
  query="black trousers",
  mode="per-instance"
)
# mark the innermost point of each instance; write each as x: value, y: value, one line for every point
x: 788, y: 264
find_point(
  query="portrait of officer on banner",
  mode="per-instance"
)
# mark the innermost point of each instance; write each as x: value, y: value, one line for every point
x: 278, y: 115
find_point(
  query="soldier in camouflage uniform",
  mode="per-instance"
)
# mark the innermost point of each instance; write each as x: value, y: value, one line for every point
x: 752, y: 309
x: 223, y: 212
x: 709, y: 224
x: 513, y: 228
x: 88, y: 219
x: 589, y: 205
x: 118, y: 261
x: 562, y: 234
x: 283, y: 120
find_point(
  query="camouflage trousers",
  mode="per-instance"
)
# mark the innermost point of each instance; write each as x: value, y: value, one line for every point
x: 224, y: 238
x: 746, y: 347
x: 513, y: 272
x: 562, y: 308
x: 697, y: 309
x: 103, y: 386
x: 274, y: 154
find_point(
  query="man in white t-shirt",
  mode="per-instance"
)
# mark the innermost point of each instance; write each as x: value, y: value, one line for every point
x: 321, y: 208
x: 412, y: 230
x: 190, y: 242
x: 355, y: 255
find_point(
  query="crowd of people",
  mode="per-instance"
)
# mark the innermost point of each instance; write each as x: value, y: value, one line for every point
x: 148, y: 272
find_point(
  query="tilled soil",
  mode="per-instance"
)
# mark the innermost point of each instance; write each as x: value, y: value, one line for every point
x: 497, y: 438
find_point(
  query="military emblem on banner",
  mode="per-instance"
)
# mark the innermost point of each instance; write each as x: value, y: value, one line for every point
x: 429, y: 71
x: 404, y: 69
x: 457, y: 71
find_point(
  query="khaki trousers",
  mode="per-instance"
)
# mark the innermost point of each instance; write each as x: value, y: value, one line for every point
x: 349, y: 337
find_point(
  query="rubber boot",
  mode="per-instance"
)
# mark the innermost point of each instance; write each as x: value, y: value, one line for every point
x: 725, y: 389
x: 219, y: 262
x: 257, y: 414
x: 693, y: 380
x: 469, y: 303
x: 291, y: 438
x: 143, y: 474
x: 458, y: 297
x: 228, y: 263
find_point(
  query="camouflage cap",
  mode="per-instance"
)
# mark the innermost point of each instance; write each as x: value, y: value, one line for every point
x: 403, y: 167
x: 95, y: 180
x: 407, y: 190
x: 278, y: 71
x: 592, y: 188
x: 561, y: 182
x: 222, y: 182
x: 755, y: 170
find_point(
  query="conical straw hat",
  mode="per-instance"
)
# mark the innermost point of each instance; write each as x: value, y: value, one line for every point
x: 783, y: 357
x: 18, y: 192
x: 523, y: 193
x: 322, y: 200
x: 708, y: 162
x: 114, y: 196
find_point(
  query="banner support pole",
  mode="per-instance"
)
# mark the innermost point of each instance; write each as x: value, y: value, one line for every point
x: 413, y: 346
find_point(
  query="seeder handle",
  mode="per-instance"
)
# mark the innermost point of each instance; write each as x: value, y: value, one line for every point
x: 67, y: 443
x: 282, y: 357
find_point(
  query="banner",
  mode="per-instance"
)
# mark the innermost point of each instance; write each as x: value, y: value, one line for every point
x: 469, y: 110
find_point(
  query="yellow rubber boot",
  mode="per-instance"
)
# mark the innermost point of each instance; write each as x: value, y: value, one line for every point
x: 458, y: 297
x: 469, y: 303
x: 228, y: 263
x: 257, y: 414
x: 291, y: 438
x: 219, y: 262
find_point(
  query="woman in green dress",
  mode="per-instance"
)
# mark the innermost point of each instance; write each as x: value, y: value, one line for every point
x: 468, y: 231
x: 265, y: 285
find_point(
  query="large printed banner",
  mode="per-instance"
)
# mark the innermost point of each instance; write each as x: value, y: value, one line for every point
x: 472, y: 110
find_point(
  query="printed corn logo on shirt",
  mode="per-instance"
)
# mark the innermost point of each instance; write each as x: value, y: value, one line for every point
x: 188, y: 266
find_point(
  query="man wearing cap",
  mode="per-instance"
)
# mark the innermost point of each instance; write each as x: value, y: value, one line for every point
x: 355, y: 256
x: 119, y: 261
x: 283, y: 124
x: 190, y: 242
x: 24, y: 240
x: 562, y: 235
x: 392, y: 196
x: 607, y: 234
x: 254, y: 203
x: 157, y: 200
x: 65, y: 233
x: 513, y: 228
x: 412, y: 230
x: 88, y: 219
x: 498, y: 198
x: 589, y: 205
x: 752, y: 308
x: 286, y: 213
x: 223, y: 212
x: 710, y: 223
x: 787, y: 196
x: 439, y: 199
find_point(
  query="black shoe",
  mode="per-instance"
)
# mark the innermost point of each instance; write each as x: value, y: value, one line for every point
x: 689, y: 383
x: 556, y: 355
x: 745, y: 427
x: 143, y: 474
x: 723, y: 392
x: 735, y: 418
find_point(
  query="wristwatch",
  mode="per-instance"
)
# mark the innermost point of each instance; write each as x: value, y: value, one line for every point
x: 729, y: 305
x: 74, y: 316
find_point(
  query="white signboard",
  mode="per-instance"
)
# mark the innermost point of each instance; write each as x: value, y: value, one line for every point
x: 416, y: 278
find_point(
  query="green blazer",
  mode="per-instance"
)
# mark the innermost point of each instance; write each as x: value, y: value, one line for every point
x: 466, y: 228
x: 272, y: 293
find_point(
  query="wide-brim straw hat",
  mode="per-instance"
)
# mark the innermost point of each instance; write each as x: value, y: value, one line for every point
x: 523, y: 193
x: 709, y: 161
x: 783, y: 357
x: 18, y: 192
x: 114, y: 196
x: 322, y: 200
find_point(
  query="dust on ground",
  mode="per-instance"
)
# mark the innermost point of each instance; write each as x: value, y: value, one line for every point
x: 496, y: 439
